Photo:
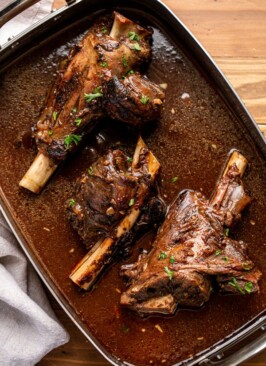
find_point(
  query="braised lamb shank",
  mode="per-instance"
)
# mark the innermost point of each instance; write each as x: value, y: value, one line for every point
x: 192, y: 249
x: 115, y: 199
x: 100, y: 77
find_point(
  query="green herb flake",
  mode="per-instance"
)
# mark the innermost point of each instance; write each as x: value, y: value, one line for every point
x: 103, y: 64
x: 169, y: 273
x: 104, y: 30
x: 174, y: 179
x: 131, y: 202
x: 129, y: 159
x: 133, y: 36
x: 246, y: 267
x: 248, y: 287
x: 50, y: 132
x: 137, y: 47
x: 225, y: 259
x: 226, y: 232
x: 218, y: 252
x: 144, y: 99
x: 125, y: 329
x: 74, y: 110
x: 96, y: 93
x: 124, y: 61
x: 131, y: 72
x: 54, y: 115
x: 71, y: 202
x: 162, y: 255
x: 69, y: 139
x: 172, y: 259
x: 78, y: 121
x: 235, y: 284
x: 90, y: 170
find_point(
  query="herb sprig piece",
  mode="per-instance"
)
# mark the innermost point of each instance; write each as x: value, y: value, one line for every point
x: 169, y: 273
x: 235, y: 284
x: 78, y: 121
x: 96, y: 93
x: 133, y: 36
x: 69, y: 139
x: 137, y: 47
x: 124, y: 61
x: 71, y: 202
x: 162, y: 255
x: 54, y: 116
x: 174, y: 179
x: 144, y: 99
x: 90, y: 170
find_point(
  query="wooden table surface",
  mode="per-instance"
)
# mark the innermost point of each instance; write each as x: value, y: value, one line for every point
x: 234, y: 33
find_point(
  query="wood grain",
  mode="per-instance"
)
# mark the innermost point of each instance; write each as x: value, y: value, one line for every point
x: 233, y: 32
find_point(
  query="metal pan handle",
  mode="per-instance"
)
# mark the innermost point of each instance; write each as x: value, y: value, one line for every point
x: 245, y: 352
x: 16, y: 7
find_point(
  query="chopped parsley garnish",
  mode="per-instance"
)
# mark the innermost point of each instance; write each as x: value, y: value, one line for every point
x: 174, y: 179
x: 248, y: 287
x: 172, y: 259
x: 50, y: 132
x: 124, y: 60
x: 103, y: 30
x: 125, y: 329
x: 69, y: 139
x: 235, y: 284
x: 137, y: 47
x: 90, y: 170
x: 54, y: 115
x: 133, y: 36
x: 169, y: 272
x: 103, y: 64
x: 129, y: 160
x: 225, y: 259
x: 96, y: 93
x: 71, y: 202
x: 74, y: 110
x: 144, y: 99
x: 246, y: 267
x: 130, y: 72
x: 162, y: 255
x: 131, y: 202
x: 218, y: 252
x: 78, y: 121
x: 226, y: 232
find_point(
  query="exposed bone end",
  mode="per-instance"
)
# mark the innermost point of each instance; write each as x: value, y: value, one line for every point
x: 38, y: 173
x: 122, y: 26
x: 229, y: 196
x: 239, y: 160
x: 153, y: 164
x: 86, y: 271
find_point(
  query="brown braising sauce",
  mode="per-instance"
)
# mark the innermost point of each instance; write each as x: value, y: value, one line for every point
x: 192, y: 141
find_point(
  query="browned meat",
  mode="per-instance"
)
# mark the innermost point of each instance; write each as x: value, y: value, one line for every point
x: 190, y: 250
x: 115, y: 201
x: 75, y: 102
x: 103, y: 196
x: 134, y: 99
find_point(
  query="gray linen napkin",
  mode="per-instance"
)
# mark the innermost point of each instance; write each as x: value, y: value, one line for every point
x: 28, y: 326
